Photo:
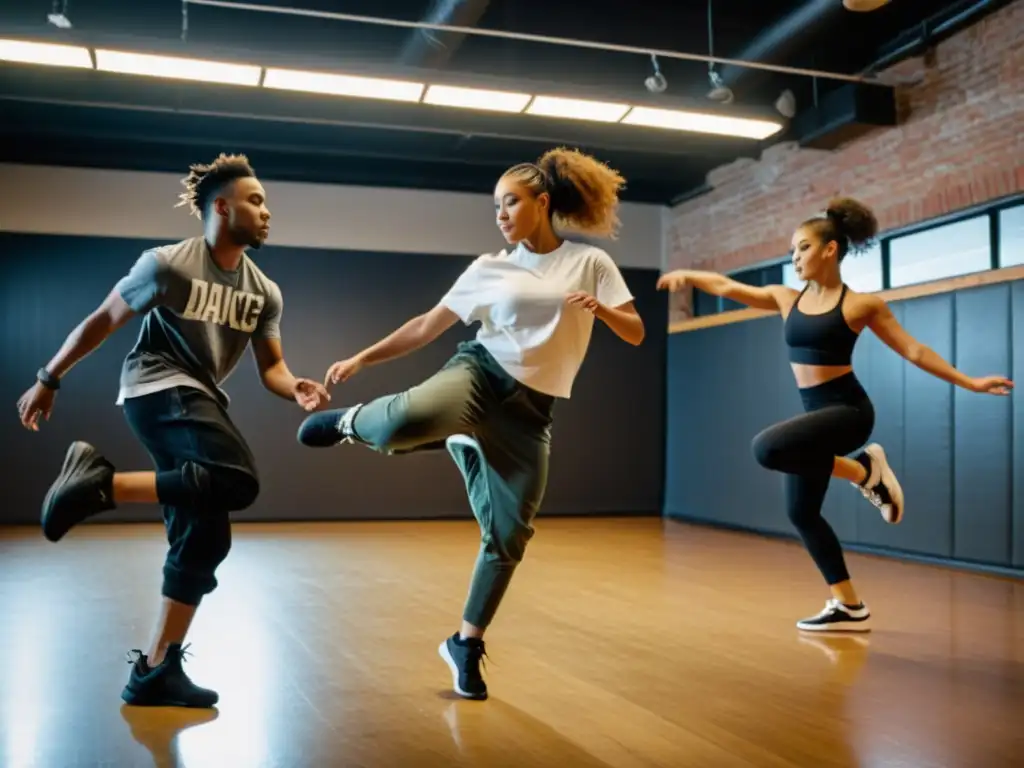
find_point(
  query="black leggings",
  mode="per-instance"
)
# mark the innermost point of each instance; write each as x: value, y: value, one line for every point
x: 838, y: 420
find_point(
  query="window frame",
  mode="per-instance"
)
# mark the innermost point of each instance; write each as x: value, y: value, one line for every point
x: 992, y: 209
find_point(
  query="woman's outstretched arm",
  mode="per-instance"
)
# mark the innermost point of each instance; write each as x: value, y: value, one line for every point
x: 770, y: 297
x: 412, y: 335
x: 885, y: 325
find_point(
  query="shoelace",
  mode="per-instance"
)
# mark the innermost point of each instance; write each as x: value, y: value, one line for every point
x: 831, y: 606
x: 345, y: 426
x: 874, y: 498
x: 476, y: 658
x: 182, y: 653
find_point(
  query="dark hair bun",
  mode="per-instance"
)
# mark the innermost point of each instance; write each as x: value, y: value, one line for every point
x: 854, y: 220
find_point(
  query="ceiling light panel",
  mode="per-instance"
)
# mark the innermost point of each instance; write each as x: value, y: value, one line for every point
x: 343, y: 85
x: 578, y: 109
x: 476, y: 98
x: 177, y: 68
x: 49, y: 54
x: 702, y: 122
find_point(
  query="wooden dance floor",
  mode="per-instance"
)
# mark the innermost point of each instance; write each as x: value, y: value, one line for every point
x: 625, y: 643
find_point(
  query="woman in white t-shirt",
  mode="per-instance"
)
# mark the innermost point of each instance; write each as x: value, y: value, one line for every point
x: 492, y: 403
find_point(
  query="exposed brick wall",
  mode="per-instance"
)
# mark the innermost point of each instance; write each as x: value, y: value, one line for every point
x: 959, y: 142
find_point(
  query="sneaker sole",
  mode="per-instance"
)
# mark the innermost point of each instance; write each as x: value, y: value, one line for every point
x: 463, y: 440
x: 131, y: 697
x: 888, y: 478
x: 77, y: 452
x: 445, y: 654
x: 844, y: 626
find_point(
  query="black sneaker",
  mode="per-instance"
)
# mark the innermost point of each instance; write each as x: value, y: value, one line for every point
x: 329, y: 428
x: 463, y: 658
x: 838, y: 617
x: 85, y: 487
x: 881, y: 487
x: 166, y: 685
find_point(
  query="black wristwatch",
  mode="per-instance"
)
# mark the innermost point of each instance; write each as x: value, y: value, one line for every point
x: 47, y: 379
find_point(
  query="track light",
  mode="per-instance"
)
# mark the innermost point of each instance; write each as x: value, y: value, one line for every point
x: 719, y: 92
x: 656, y: 83
x: 59, y: 18
x: 785, y: 105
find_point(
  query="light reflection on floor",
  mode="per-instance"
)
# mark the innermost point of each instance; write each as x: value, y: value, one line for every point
x: 621, y: 643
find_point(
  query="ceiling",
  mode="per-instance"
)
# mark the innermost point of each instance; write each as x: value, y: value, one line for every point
x: 89, y: 118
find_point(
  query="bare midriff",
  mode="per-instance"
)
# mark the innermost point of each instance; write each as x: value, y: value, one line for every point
x: 813, y: 375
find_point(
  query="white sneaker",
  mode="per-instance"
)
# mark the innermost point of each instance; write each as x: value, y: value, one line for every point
x: 882, y: 488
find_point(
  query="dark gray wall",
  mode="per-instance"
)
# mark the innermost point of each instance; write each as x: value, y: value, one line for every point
x: 959, y: 455
x: 608, y: 442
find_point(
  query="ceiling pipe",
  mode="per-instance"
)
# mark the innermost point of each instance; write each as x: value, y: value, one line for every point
x: 433, y: 48
x: 531, y: 38
x: 796, y: 31
x: 932, y: 31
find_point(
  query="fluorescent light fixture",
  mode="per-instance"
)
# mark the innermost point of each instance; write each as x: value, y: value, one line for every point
x: 50, y: 54
x: 578, y: 109
x: 343, y: 85
x: 176, y: 68
x: 702, y: 122
x: 476, y: 98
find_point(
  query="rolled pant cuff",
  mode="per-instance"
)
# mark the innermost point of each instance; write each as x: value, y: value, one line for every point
x: 185, y: 589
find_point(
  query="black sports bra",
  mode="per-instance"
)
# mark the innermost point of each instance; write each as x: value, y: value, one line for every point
x: 823, y: 339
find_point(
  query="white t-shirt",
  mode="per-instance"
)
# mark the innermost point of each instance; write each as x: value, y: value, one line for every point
x: 519, y: 298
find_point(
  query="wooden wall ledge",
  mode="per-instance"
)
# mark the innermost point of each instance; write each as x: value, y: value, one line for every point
x: 990, y: 277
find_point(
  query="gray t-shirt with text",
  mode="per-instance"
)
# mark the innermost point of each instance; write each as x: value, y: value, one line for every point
x: 198, y: 319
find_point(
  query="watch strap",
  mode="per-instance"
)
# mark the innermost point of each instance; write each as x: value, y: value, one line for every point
x: 47, y: 379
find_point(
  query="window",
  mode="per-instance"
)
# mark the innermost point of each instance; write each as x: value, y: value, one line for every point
x: 759, y: 276
x: 1011, y: 236
x: 789, y: 276
x: 862, y: 272
x: 947, y: 251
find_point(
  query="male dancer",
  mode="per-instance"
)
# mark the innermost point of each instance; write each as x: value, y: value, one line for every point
x: 203, y: 300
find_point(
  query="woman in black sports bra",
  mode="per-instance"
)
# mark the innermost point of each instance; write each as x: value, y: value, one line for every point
x: 821, y: 326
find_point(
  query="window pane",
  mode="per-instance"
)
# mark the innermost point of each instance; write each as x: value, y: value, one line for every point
x: 947, y: 251
x: 861, y: 272
x: 789, y: 276
x: 1011, y: 236
x: 759, y: 276
x: 704, y: 304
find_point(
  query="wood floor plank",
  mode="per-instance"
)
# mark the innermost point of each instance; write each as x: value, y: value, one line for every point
x: 626, y: 643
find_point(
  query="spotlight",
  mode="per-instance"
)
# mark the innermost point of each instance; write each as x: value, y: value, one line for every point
x: 785, y: 105
x: 656, y: 83
x: 59, y: 20
x: 59, y: 17
x: 719, y: 92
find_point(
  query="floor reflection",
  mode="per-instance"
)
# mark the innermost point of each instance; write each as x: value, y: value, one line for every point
x: 158, y: 729
x: 322, y: 643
